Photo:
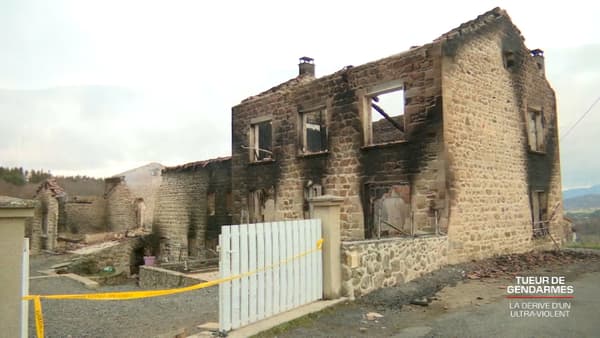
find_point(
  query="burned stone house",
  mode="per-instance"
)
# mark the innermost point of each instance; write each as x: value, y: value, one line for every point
x: 456, y: 138
x: 443, y: 153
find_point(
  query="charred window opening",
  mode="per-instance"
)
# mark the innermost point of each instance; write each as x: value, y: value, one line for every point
x: 385, y: 114
x: 539, y: 213
x: 45, y: 216
x: 389, y: 210
x: 314, y: 131
x: 509, y: 60
x: 261, y: 141
x: 311, y: 190
x: 211, y: 203
x: 535, y: 126
x: 261, y: 205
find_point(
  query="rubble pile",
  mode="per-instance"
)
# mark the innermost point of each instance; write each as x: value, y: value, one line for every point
x: 517, y: 264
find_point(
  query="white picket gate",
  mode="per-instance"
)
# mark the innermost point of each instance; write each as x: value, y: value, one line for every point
x: 280, y: 265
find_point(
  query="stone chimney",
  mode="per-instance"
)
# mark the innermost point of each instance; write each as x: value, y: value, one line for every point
x: 538, y: 56
x: 306, y: 66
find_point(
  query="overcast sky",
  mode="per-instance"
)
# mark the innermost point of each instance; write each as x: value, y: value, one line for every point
x: 99, y: 87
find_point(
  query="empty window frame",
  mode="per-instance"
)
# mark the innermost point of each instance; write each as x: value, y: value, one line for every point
x: 385, y: 114
x: 261, y: 141
x: 313, y: 137
x: 389, y: 210
x: 508, y: 58
x: 261, y: 205
x: 535, y: 124
x: 539, y: 213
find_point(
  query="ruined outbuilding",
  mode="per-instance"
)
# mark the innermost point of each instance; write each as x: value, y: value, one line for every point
x: 194, y: 200
x: 125, y: 207
x: 43, y: 227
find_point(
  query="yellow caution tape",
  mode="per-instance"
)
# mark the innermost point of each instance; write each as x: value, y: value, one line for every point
x: 320, y: 244
x: 39, y: 319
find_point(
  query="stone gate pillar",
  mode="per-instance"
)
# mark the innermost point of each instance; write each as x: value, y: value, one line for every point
x: 327, y: 209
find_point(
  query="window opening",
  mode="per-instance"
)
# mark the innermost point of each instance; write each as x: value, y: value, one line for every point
x: 314, y: 132
x: 261, y: 145
x: 387, y: 116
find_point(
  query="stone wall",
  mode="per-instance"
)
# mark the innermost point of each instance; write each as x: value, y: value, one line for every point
x: 45, y: 216
x: 492, y: 171
x: 125, y: 256
x: 85, y: 214
x: 152, y: 277
x: 120, y: 205
x: 373, y: 264
x: 351, y: 168
x: 181, y: 218
x: 144, y: 182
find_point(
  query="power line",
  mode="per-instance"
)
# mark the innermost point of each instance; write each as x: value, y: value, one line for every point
x: 579, y: 120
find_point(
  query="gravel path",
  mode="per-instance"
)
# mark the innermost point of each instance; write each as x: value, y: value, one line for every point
x: 147, y: 317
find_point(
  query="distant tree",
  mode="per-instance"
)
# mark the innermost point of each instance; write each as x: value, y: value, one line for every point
x: 38, y: 176
x: 13, y: 175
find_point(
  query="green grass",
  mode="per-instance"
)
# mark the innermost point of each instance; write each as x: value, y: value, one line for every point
x: 302, y: 321
x: 584, y: 245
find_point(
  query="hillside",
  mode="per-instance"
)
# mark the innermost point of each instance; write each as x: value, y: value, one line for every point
x: 583, y: 202
x: 570, y: 193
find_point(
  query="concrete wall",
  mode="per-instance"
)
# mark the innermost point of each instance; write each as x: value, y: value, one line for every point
x: 85, y: 214
x: 349, y: 169
x: 492, y: 171
x: 12, y: 223
x: 373, y: 264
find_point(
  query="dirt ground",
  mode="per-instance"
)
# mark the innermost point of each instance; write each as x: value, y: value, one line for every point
x: 462, y: 300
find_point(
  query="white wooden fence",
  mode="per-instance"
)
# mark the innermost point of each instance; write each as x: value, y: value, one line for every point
x: 280, y: 266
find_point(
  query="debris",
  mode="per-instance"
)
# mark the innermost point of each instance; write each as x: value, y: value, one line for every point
x: 480, y: 298
x: 108, y: 269
x: 515, y: 264
x: 423, y: 301
x: 209, y: 326
x: 362, y: 329
x: 373, y: 315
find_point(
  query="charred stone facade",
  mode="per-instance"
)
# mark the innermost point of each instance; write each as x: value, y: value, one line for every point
x: 192, y: 204
x: 473, y: 154
x: 499, y: 160
x: 351, y: 165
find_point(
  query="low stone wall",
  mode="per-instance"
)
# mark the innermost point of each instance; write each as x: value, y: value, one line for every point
x: 158, y: 278
x: 121, y: 256
x: 373, y: 264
